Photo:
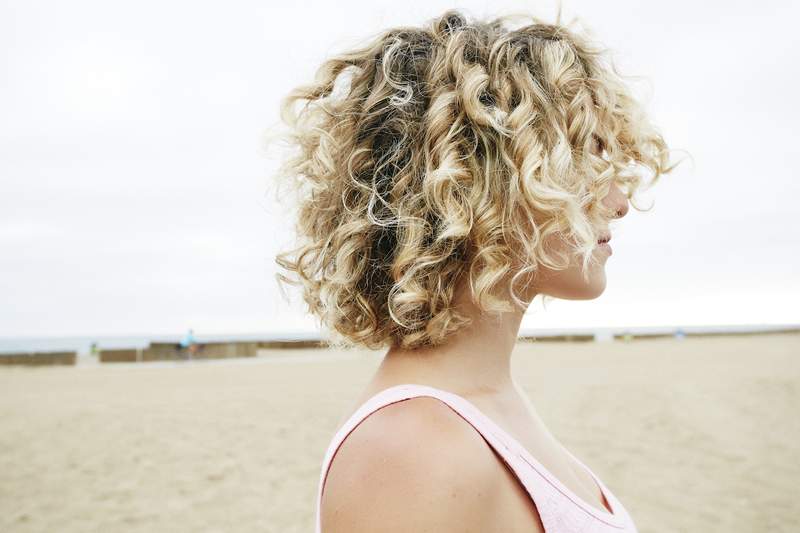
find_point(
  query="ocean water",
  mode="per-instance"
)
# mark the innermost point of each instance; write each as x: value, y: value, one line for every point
x: 82, y: 345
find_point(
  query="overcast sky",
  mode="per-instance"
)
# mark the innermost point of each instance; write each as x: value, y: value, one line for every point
x: 136, y: 196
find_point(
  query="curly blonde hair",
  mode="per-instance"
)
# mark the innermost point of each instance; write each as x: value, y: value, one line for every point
x: 447, y: 150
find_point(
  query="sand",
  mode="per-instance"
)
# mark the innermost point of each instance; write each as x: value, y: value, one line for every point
x: 694, y: 435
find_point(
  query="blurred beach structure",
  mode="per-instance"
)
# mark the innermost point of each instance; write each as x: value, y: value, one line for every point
x: 694, y: 432
x: 133, y: 349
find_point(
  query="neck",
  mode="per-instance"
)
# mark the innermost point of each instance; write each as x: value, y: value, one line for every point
x: 473, y: 361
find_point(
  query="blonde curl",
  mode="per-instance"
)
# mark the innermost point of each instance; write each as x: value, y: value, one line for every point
x: 449, y: 150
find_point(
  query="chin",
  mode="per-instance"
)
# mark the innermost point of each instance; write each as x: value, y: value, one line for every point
x: 597, y: 291
x: 598, y: 287
x: 579, y: 290
x: 597, y: 284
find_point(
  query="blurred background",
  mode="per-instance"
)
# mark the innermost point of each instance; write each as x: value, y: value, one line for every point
x: 139, y: 225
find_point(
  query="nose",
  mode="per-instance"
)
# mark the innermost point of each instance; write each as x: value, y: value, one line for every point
x: 617, y: 201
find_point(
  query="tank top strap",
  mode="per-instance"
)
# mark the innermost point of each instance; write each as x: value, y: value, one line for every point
x: 550, y: 503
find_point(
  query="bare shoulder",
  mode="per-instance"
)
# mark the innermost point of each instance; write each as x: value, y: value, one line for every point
x: 414, y: 465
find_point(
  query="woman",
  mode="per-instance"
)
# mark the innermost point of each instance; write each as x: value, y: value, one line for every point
x: 446, y: 176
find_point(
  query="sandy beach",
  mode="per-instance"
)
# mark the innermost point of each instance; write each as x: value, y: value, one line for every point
x: 693, y: 435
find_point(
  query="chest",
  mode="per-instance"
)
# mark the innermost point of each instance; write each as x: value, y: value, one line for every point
x: 519, y: 421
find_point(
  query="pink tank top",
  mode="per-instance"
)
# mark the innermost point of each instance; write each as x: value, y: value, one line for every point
x: 560, y: 509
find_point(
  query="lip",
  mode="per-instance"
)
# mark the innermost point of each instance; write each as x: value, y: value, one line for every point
x: 605, y: 247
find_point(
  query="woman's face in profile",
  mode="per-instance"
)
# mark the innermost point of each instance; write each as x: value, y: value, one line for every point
x: 569, y: 284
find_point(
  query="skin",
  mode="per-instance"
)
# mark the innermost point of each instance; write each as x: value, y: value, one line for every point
x: 475, y: 364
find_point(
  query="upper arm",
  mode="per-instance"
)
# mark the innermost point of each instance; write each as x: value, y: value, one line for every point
x: 414, y: 465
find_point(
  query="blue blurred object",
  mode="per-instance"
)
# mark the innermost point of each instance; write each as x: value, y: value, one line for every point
x: 188, y: 340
